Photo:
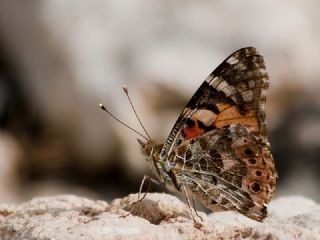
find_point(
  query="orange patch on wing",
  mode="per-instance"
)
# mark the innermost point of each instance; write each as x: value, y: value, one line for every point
x: 230, y: 115
x: 223, y: 106
x: 207, y: 117
x: 195, y: 130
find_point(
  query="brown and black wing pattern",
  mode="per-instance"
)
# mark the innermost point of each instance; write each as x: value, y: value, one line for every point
x: 219, y: 144
x: 233, y: 93
x: 227, y: 169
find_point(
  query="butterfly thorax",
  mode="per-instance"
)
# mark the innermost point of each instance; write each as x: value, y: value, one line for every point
x: 164, y: 171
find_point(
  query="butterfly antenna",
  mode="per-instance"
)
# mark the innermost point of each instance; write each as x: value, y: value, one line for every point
x: 119, y: 121
x: 125, y: 89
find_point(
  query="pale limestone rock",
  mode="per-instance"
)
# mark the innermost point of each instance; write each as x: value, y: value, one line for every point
x: 158, y: 216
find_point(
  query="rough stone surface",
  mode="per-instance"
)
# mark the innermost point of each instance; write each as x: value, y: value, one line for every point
x: 158, y: 216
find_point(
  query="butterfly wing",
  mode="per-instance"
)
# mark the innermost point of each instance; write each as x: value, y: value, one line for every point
x: 219, y: 144
x: 234, y: 93
x: 227, y: 168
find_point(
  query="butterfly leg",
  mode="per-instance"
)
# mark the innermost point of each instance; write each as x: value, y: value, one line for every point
x: 196, y: 224
x: 149, y: 181
x: 194, y: 207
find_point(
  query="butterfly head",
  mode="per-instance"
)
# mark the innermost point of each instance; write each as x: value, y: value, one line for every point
x: 150, y: 149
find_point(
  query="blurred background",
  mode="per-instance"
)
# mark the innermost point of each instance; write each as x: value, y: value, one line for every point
x: 59, y: 59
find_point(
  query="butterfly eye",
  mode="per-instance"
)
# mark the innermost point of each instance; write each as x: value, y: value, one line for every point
x: 258, y: 173
x: 147, y: 150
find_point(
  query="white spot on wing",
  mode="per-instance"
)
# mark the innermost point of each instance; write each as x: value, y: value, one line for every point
x: 232, y: 60
x: 241, y: 66
x: 263, y: 71
x: 224, y: 87
x: 213, y: 81
x: 209, y: 79
x: 206, y: 116
x: 263, y: 92
x: 251, y: 83
x: 247, y: 95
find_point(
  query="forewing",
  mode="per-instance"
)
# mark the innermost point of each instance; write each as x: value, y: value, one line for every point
x: 234, y: 93
x: 227, y: 168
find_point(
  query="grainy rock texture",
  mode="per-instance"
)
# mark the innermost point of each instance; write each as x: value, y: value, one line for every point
x: 158, y: 216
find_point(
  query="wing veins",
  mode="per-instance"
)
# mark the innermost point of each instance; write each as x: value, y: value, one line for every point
x: 219, y: 177
x: 237, y: 118
x: 222, y: 190
x: 239, y: 200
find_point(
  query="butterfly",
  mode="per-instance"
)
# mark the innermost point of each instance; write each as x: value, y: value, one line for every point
x: 218, y: 149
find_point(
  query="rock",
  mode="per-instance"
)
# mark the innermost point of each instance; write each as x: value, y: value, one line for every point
x: 158, y: 216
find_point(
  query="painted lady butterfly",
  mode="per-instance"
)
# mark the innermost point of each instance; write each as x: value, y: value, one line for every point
x: 218, y: 149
